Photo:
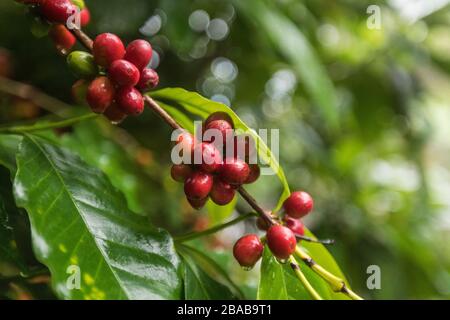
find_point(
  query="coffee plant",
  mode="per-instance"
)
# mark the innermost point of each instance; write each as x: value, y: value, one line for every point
x: 81, y: 224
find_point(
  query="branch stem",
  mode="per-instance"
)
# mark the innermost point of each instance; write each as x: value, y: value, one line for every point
x: 298, y: 272
x: 195, y: 235
x: 47, y: 126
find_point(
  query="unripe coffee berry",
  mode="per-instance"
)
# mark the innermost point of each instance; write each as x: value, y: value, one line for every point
x: 208, y: 157
x: 108, y: 48
x: 298, y: 205
x: 149, y: 79
x: 180, y: 172
x: 114, y: 114
x: 197, y: 203
x: 248, y: 250
x: 222, y: 193
x: 255, y: 172
x: 57, y: 10
x: 281, y: 241
x: 79, y: 3
x: 123, y: 73
x: 63, y: 39
x: 234, y: 171
x: 296, y: 226
x: 100, y: 94
x: 198, y: 185
x: 139, y: 52
x: 130, y: 100
x: 82, y: 64
x: 79, y: 91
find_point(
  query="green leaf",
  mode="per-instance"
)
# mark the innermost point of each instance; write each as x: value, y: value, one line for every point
x: 195, y: 104
x: 292, y: 44
x: 199, y: 284
x: 8, y: 148
x: 218, y: 214
x: 279, y: 282
x: 79, y: 220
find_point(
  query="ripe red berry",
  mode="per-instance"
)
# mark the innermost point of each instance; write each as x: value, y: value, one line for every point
x: 235, y: 171
x: 198, y: 185
x: 244, y: 147
x: 299, y: 204
x: 208, y: 157
x: 85, y: 17
x: 296, y: 226
x: 57, y: 10
x: 63, y: 39
x: 281, y: 241
x: 180, y: 172
x: 123, y: 73
x: 108, y: 48
x: 186, y: 142
x: 149, y: 79
x: 139, y: 52
x: 114, y: 114
x: 216, y: 127
x: 248, y: 250
x: 100, y: 94
x: 222, y: 193
x: 255, y: 172
x: 197, y: 203
x: 130, y: 100
x: 219, y: 116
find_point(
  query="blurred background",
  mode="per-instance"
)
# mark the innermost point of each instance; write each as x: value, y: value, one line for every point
x: 360, y: 91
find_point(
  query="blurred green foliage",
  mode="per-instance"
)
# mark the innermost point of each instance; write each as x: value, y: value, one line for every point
x: 362, y: 115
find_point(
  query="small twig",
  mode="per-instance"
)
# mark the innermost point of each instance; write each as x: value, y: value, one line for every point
x: 47, y: 126
x: 252, y: 202
x: 309, y: 239
x: 162, y: 113
x: 85, y: 40
x: 194, y: 235
x: 298, y: 272
x: 34, y: 95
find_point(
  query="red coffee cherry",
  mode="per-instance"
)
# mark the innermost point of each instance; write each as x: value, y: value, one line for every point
x: 296, y: 226
x: 108, y: 48
x: 85, y: 17
x: 248, y: 250
x: 114, y: 114
x: 207, y: 157
x: 223, y: 127
x: 57, y: 10
x: 198, y: 185
x: 187, y: 144
x: 197, y: 203
x: 222, y: 193
x: 139, y: 52
x: 123, y: 73
x: 100, y: 94
x: 63, y: 39
x: 234, y: 171
x: 255, y: 172
x: 244, y: 147
x: 219, y: 116
x: 281, y: 241
x: 180, y: 172
x: 149, y: 79
x: 130, y: 100
x: 298, y: 205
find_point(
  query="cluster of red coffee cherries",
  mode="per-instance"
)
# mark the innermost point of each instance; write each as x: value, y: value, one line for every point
x: 113, y: 77
x: 281, y: 238
x: 215, y: 166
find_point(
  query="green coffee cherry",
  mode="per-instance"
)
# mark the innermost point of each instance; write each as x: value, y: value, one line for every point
x: 79, y: 3
x: 82, y: 64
